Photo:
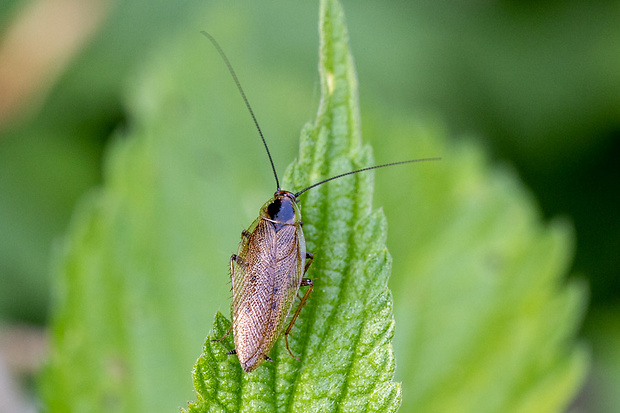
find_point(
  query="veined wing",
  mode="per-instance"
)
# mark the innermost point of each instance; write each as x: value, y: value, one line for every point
x: 266, y: 277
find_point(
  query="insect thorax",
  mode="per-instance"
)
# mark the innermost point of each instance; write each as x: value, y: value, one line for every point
x: 282, y: 209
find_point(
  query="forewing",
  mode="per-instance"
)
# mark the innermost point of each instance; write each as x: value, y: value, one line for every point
x: 266, y: 277
x: 289, y: 270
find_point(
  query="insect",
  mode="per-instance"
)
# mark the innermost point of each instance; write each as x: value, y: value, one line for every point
x: 268, y: 270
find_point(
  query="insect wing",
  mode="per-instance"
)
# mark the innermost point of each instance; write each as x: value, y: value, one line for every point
x: 265, y: 277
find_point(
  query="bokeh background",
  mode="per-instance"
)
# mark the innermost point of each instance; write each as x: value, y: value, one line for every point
x: 536, y: 83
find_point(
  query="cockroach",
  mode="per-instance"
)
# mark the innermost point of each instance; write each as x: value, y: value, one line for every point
x: 268, y: 269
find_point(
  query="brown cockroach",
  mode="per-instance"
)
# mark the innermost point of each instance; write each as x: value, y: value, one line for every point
x: 268, y: 270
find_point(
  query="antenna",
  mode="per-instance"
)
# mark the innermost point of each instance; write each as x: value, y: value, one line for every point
x: 245, y: 99
x: 365, y: 169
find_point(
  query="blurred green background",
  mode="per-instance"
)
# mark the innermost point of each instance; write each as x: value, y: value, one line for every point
x: 537, y: 83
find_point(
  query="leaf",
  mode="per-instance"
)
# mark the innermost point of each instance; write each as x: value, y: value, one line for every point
x: 65, y: 133
x: 485, y: 320
x: 344, y: 333
x: 604, y: 331
x: 134, y: 277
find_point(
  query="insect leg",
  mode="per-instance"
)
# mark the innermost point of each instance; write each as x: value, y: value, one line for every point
x: 233, y: 258
x: 245, y: 234
x: 224, y: 336
x: 310, y: 258
x: 304, y: 281
x: 233, y: 351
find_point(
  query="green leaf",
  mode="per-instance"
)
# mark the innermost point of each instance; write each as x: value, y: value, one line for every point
x: 344, y: 333
x: 485, y: 319
x: 604, y: 330
x: 134, y: 278
x: 485, y: 322
x: 64, y: 134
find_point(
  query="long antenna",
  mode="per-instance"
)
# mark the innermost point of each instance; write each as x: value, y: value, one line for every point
x: 245, y: 99
x: 364, y: 169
